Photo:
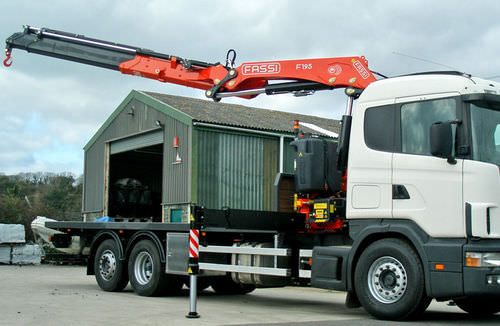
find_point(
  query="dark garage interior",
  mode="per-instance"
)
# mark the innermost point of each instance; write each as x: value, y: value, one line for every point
x: 135, y: 182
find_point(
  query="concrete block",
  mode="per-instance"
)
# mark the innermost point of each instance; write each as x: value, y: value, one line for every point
x: 5, y: 254
x: 12, y: 233
x: 26, y: 255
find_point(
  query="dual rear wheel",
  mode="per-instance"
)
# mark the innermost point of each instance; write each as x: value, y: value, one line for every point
x: 110, y: 272
x: 144, y: 270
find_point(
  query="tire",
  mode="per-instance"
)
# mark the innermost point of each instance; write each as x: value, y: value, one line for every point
x: 479, y: 306
x: 146, y: 272
x: 225, y: 285
x: 203, y: 283
x: 389, y: 280
x: 110, y: 272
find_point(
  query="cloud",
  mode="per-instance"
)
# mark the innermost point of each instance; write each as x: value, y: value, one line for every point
x: 50, y: 108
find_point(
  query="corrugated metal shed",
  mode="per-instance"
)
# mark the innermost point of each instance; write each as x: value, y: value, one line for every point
x: 231, y: 170
x: 227, y: 155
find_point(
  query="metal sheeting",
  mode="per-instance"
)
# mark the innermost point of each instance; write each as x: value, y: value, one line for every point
x: 93, y: 185
x: 288, y: 157
x: 230, y: 170
x: 270, y: 161
x: 177, y: 175
x: 207, y: 172
x: 240, y: 171
x: 242, y: 116
x: 125, y: 124
x: 138, y: 141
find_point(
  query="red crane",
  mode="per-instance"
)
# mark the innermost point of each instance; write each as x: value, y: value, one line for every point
x: 302, y: 76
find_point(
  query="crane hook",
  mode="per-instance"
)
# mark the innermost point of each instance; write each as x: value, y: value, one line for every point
x: 230, y: 58
x: 8, y: 60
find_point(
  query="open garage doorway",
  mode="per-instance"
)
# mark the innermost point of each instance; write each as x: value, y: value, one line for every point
x: 135, y: 184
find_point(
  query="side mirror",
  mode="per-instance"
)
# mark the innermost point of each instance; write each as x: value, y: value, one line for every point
x: 441, y: 138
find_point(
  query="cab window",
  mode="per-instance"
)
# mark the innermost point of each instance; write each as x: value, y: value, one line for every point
x: 416, y: 120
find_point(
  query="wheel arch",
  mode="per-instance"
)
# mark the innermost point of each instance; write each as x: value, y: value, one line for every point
x: 403, y: 230
x: 146, y: 235
x: 96, y: 241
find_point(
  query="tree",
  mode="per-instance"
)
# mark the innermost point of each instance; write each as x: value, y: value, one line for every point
x: 11, y: 205
x: 27, y: 195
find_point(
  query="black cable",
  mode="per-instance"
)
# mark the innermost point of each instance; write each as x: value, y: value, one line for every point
x: 378, y: 74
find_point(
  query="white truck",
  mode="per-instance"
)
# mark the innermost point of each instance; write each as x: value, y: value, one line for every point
x: 403, y: 209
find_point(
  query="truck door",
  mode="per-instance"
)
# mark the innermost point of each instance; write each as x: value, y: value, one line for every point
x: 427, y: 189
x: 481, y: 174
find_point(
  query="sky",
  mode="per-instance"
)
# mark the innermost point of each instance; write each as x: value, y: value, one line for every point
x: 50, y: 108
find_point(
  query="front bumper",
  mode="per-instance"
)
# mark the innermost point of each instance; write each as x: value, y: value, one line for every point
x: 481, y: 280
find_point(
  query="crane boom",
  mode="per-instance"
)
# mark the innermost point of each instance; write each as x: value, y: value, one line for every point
x: 248, y: 80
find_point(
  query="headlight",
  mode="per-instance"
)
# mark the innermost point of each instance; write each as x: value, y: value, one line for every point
x: 482, y: 259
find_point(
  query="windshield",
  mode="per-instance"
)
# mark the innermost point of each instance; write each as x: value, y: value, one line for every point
x: 485, y: 125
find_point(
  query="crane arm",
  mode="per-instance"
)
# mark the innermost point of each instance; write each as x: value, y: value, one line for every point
x: 248, y: 80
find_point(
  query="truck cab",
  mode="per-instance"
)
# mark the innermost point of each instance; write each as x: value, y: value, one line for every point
x: 424, y: 167
x: 393, y: 173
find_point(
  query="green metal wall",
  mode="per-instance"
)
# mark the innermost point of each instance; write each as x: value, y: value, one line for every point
x: 288, y: 157
x: 270, y: 162
x: 122, y: 125
x: 236, y: 170
x: 176, y: 178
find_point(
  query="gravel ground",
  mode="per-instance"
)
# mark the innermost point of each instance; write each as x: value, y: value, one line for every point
x: 64, y: 295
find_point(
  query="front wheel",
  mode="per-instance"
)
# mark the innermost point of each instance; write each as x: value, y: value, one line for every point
x: 389, y: 280
x: 480, y: 307
x: 146, y: 272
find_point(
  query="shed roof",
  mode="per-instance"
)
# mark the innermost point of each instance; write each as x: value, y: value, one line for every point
x: 242, y: 116
x: 188, y: 110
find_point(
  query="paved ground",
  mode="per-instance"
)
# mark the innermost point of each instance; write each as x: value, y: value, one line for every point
x: 64, y: 295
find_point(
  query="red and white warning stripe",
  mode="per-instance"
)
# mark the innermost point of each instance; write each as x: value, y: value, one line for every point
x: 194, y: 243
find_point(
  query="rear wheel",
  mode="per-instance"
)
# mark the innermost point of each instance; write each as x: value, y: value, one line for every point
x: 389, y: 280
x: 110, y: 272
x: 226, y: 285
x: 480, y: 307
x: 202, y: 283
x: 146, y: 272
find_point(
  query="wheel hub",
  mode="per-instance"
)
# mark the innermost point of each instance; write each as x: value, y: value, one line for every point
x: 387, y: 280
x: 143, y: 268
x: 107, y: 265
